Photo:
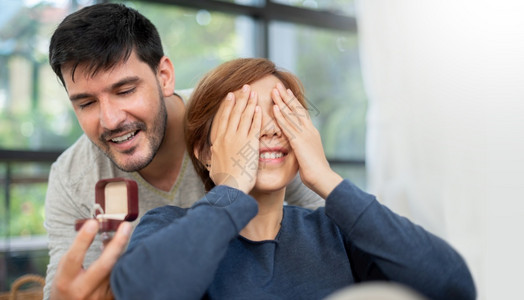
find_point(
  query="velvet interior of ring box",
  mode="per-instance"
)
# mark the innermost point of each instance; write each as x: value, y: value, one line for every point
x: 116, y: 200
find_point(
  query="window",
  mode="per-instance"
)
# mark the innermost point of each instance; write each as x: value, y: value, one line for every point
x: 35, y: 114
x: 197, y: 39
x: 327, y: 63
x: 317, y: 40
x: 345, y: 7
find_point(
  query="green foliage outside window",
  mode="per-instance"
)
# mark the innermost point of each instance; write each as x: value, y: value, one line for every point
x: 26, y: 214
x: 36, y: 114
x: 195, y: 40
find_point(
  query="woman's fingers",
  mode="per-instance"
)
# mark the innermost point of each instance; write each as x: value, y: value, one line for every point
x: 285, y: 116
x: 236, y: 114
x: 234, y: 154
x: 287, y: 127
x: 246, y: 119
x: 223, y: 113
x: 256, y: 124
x: 290, y: 106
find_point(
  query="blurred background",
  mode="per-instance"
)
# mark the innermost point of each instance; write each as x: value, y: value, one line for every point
x: 419, y: 102
x: 317, y: 40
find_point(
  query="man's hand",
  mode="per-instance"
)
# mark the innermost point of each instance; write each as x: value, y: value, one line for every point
x: 72, y: 281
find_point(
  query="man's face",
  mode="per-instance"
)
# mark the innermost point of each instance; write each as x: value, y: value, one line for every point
x: 121, y: 110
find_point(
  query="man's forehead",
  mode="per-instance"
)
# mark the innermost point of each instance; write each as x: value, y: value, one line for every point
x: 88, y: 70
x: 91, y: 68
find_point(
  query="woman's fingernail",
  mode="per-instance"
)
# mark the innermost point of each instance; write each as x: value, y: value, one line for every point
x: 245, y: 88
x: 229, y: 96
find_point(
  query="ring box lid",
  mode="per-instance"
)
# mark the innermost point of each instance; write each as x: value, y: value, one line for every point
x: 117, y: 200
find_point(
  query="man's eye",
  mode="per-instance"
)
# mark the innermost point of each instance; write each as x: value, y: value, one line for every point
x: 128, y: 91
x: 85, y: 104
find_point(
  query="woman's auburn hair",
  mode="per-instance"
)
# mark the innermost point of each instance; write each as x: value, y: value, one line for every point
x: 212, y: 90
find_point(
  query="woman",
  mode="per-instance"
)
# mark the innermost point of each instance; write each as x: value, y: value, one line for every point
x: 240, y: 241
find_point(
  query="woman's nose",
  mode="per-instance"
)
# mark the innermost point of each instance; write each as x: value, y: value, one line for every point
x: 270, y: 128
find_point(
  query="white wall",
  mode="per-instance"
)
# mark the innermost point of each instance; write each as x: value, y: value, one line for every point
x: 445, y: 144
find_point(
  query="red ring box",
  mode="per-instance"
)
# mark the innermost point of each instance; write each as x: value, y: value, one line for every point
x: 118, y: 198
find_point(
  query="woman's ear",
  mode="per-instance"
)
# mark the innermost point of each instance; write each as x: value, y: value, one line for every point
x: 206, y: 162
x: 166, y: 76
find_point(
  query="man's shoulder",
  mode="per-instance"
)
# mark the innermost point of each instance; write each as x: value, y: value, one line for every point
x: 83, y: 149
x: 79, y: 160
x: 184, y: 94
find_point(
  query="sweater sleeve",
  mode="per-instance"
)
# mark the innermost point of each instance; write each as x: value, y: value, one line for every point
x: 62, y: 209
x: 173, y: 255
x: 402, y: 251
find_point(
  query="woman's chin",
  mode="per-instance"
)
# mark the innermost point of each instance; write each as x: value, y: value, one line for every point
x: 270, y: 184
x: 268, y: 188
x: 271, y: 180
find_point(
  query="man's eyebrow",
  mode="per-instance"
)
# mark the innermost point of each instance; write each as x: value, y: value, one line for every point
x: 123, y: 81
x: 80, y: 96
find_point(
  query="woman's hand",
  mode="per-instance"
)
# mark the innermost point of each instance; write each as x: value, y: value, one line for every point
x: 304, y: 138
x: 235, y: 144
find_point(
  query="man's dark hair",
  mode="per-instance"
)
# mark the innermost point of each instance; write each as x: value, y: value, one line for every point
x: 102, y: 35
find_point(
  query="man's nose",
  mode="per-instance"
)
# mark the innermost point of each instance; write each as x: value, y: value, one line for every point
x: 111, y: 114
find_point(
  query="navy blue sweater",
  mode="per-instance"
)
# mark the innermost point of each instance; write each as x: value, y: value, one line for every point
x: 178, y: 253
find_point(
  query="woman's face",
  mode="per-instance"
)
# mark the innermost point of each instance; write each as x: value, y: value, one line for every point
x: 277, y: 164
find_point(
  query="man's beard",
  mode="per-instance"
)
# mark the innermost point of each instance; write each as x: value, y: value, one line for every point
x: 155, y: 135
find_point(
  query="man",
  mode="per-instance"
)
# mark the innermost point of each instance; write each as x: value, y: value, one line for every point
x: 111, y: 63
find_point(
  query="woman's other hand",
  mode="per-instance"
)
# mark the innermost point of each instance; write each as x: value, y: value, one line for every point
x: 304, y: 138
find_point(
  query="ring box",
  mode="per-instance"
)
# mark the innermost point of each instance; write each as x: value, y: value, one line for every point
x: 116, y: 201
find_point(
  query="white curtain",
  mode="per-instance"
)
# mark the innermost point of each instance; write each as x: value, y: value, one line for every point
x: 445, y: 128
